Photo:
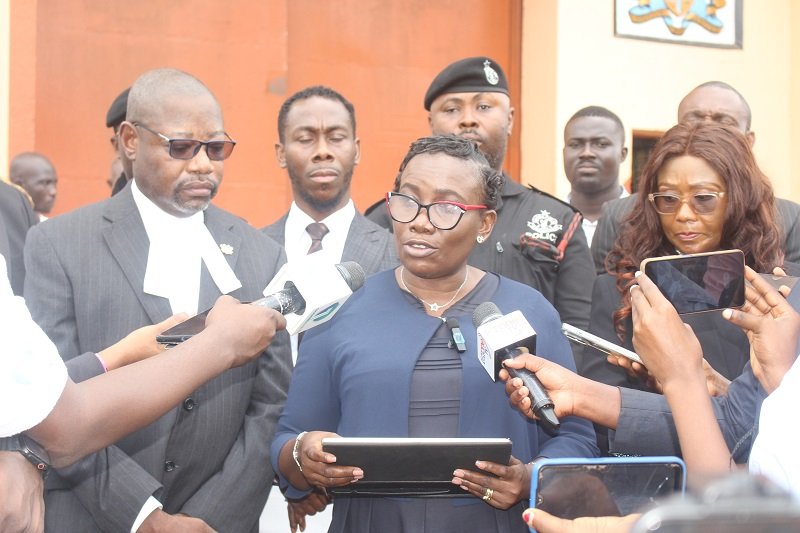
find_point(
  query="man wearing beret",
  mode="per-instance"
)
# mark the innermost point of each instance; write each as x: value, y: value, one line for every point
x: 537, y: 239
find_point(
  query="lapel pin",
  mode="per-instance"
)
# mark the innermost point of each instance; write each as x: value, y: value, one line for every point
x: 226, y: 249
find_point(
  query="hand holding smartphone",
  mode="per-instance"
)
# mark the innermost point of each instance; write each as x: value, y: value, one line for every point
x: 598, y: 343
x: 697, y: 283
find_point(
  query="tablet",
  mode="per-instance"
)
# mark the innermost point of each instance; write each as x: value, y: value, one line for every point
x: 606, y: 486
x: 412, y: 466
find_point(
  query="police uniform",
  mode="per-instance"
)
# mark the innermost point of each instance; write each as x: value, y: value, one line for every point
x: 537, y: 239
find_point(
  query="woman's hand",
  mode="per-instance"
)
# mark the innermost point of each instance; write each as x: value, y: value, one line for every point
x: 546, y: 523
x: 309, y: 506
x: 668, y: 347
x: 318, y: 466
x: 139, y: 344
x: 716, y: 383
x: 555, y: 378
x: 511, y: 484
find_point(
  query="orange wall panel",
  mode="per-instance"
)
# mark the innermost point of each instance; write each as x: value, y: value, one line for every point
x: 70, y: 58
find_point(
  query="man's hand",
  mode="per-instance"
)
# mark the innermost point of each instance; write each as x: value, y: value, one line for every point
x: 309, y: 506
x: 139, y: 344
x: 160, y: 522
x: 772, y: 327
x: 242, y: 329
x: 21, y: 495
x: 716, y: 383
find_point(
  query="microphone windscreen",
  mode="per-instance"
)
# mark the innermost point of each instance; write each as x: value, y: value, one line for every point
x: 352, y: 273
x: 484, y: 312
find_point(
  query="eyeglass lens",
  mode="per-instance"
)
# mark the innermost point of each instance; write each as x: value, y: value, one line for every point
x: 701, y: 203
x: 188, y: 148
x: 442, y: 215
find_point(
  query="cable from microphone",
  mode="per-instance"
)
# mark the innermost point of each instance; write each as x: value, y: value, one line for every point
x: 289, y: 300
x: 541, y: 404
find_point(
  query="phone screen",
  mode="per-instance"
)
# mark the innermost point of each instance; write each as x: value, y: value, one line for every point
x: 697, y: 283
x: 185, y: 330
x: 612, y: 489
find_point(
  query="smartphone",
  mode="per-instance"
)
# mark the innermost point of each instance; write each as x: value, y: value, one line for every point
x: 606, y: 486
x: 587, y: 339
x: 183, y: 331
x: 698, y: 283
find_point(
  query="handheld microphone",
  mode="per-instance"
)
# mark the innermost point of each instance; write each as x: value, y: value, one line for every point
x: 502, y: 337
x: 310, y: 290
x: 287, y: 301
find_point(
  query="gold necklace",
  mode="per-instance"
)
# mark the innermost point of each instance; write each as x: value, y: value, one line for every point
x: 433, y: 306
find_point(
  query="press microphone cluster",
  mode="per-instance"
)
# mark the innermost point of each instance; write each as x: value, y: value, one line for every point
x: 310, y: 290
x: 502, y: 337
x: 289, y: 300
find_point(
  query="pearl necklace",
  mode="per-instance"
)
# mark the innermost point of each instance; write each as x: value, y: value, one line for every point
x: 433, y: 306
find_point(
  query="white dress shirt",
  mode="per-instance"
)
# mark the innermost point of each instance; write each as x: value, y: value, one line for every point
x: 297, y: 240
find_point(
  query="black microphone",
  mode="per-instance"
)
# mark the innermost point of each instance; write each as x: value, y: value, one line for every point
x: 502, y: 337
x: 289, y: 300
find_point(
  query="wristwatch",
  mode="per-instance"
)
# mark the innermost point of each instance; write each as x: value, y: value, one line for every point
x: 30, y: 449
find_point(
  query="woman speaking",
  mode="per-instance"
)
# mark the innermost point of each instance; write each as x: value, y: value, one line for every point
x: 384, y: 366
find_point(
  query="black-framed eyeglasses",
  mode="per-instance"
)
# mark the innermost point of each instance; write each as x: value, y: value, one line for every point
x: 188, y: 148
x: 702, y: 203
x: 443, y: 214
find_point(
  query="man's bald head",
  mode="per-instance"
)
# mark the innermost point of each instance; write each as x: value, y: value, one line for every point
x: 155, y: 88
x: 716, y: 101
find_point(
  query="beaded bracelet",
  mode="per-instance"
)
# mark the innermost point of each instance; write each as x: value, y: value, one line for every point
x: 296, y: 450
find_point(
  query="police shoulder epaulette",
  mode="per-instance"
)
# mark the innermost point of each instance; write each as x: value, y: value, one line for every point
x: 557, y: 199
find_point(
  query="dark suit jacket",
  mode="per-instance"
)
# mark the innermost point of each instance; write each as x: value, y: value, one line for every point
x: 207, y: 458
x: 16, y: 217
x: 367, y: 244
x: 615, y: 210
x: 646, y: 426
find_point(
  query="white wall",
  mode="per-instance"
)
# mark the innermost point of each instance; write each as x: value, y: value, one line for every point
x: 643, y: 81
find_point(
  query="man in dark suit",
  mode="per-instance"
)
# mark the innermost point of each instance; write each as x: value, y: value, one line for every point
x: 319, y: 149
x: 17, y: 217
x: 156, y: 248
x: 714, y: 101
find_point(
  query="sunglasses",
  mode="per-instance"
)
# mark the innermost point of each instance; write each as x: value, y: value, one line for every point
x: 188, y: 148
x: 443, y: 215
x: 702, y: 203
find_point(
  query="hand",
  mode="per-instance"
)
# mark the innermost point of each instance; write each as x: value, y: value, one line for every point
x: 160, y: 522
x: 716, y: 383
x: 309, y: 506
x: 636, y: 371
x: 242, y: 329
x: 559, y: 382
x: 772, y: 327
x: 319, y: 469
x: 509, y: 484
x: 668, y: 347
x: 139, y: 344
x: 547, y: 523
x: 21, y: 494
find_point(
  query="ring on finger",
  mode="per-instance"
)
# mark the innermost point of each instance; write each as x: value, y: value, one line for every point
x: 487, y: 494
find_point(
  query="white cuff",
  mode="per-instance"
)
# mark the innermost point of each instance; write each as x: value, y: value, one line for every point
x: 149, y: 506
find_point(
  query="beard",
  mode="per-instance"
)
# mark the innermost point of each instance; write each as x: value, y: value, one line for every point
x: 324, y: 204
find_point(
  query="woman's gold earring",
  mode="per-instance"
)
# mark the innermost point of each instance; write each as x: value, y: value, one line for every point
x: 480, y: 239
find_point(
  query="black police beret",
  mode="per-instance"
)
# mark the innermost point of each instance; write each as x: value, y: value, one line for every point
x: 471, y: 75
x: 118, y: 110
